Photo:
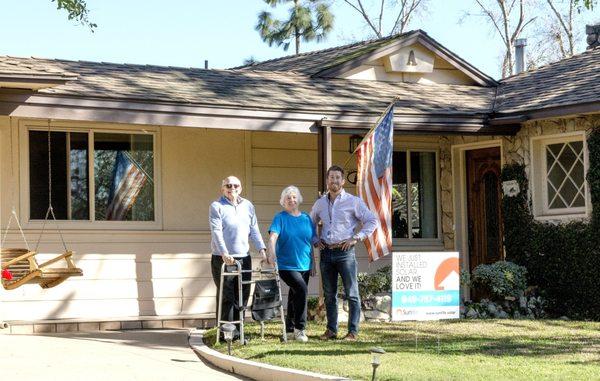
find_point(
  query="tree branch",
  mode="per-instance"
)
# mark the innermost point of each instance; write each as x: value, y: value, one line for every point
x: 364, y: 14
x: 381, y: 14
x: 491, y: 17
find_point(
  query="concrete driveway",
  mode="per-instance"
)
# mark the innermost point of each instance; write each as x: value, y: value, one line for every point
x: 107, y: 355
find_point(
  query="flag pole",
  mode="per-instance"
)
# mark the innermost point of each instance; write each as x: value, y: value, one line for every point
x: 383, y: 114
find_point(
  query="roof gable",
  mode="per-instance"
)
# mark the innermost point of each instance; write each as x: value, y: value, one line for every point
x: 336, y: 62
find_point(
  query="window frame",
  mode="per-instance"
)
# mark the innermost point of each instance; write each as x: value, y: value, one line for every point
x: 539, y: 169
x: 410, y: 241
x: 91, y: 223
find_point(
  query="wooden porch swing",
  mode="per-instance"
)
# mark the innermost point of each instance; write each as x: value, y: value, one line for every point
x: 19, y: 265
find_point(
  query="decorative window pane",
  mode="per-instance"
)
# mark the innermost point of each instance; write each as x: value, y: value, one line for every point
x: 123, y: 175
x: 565, y: 179
x: 69, y: 182
x: 414, y: 197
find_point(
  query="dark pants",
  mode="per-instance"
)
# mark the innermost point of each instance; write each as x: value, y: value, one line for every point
x: 336, y: 262
x: 296, y: 307
x: 230, y: 309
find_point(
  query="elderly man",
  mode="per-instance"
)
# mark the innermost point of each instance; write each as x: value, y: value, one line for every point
x: 345, y: 220
x: 232, y: 221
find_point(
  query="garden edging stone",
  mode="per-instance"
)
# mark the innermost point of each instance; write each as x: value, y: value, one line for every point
x: 254, y: 370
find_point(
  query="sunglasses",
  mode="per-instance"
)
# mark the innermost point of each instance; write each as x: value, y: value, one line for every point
x: 229, y: 186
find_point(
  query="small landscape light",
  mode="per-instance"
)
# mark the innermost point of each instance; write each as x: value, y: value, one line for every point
x: 227, y: 330
x: 376, y: 352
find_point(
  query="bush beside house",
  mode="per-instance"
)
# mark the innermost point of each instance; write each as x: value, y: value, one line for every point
x: 563, y: 260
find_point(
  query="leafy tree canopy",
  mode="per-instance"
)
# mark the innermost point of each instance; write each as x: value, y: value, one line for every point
x: 77, y: 10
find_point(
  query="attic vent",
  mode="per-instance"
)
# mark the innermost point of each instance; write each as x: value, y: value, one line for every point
x: 412, y: 61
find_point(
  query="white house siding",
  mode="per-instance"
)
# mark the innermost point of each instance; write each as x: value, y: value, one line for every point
x: 166, y: 271
x: 134, y: 272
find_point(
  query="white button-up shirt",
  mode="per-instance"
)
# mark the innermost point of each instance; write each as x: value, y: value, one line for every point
x: 342, y: 217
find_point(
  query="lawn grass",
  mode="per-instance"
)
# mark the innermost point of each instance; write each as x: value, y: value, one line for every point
x: 440, y: 350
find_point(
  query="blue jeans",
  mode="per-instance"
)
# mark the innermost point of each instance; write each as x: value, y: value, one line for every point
x: 334, y: 262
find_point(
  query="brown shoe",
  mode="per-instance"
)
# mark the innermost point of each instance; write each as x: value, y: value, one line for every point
x: 351, y: 336
x: 328, y: 335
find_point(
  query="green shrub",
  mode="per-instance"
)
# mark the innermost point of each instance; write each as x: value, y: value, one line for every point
x: 374, y: 283
x: 370, y: 284
x: 501, y: 279
x: 563, y: 260
x: 312, y: 302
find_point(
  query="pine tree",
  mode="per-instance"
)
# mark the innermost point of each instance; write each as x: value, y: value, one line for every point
x: 309, y: 20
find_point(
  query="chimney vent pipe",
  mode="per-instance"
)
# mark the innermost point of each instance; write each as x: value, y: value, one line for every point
x: 593, y: 35
x: 206, y: 64
x: 520, y: 44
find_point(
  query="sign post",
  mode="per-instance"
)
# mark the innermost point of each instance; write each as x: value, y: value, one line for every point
x: 425, y: 286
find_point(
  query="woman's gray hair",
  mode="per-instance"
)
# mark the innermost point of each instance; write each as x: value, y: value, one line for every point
x: 287, y: 191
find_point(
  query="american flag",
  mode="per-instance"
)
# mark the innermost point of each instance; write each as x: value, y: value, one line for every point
x: 127, y: 182
x: 374, y: 182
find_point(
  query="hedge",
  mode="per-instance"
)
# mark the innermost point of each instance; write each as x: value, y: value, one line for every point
x: 563, y: 260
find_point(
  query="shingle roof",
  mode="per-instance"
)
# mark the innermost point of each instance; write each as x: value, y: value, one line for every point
x: 16, y: 67
x: 312, y: 62
x: 571, y: 81
x: 254, y: 89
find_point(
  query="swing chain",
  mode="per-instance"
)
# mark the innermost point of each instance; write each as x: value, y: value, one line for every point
x: 50, y: 208
x: 14, y: 213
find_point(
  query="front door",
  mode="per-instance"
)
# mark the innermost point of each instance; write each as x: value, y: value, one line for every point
x: 484, y: 206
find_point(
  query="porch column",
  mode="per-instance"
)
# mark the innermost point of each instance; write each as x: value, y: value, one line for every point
x: 325, y: 155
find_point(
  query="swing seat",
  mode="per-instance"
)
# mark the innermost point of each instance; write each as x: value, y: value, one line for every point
x: 25, y: 270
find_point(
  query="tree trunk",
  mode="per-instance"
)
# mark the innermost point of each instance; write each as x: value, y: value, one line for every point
x: 296, y: 33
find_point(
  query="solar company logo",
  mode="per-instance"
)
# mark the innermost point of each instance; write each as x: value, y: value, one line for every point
x: 446, y: 276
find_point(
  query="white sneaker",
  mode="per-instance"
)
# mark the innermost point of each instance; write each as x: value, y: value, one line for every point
x: 300, y: 335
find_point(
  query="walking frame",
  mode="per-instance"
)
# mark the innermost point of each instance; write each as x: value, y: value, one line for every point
x: 263, y: 273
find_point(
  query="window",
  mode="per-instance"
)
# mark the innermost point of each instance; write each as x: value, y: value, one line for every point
x: 559, y: 166
x: 95, y: 176
x: 414, y: 195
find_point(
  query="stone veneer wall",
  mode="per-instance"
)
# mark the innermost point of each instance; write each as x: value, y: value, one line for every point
x: 515, y: 149
x: 446, y: 191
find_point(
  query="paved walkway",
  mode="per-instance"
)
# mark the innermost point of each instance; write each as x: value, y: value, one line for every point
x: 118, y: 355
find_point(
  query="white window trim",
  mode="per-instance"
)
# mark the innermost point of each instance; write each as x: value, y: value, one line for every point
x: 24, y: 128
x: 431, y: 242
x: 539, y: 190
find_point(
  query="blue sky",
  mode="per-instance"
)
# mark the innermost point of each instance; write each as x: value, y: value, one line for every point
x: 187, y: 32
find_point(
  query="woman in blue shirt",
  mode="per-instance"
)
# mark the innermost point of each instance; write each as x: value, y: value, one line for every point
x: 290, y: 242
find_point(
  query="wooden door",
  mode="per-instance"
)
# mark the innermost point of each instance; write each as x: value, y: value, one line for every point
x: 484, y: 198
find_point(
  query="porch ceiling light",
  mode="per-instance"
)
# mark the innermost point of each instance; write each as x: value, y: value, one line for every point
x: 354, y: 141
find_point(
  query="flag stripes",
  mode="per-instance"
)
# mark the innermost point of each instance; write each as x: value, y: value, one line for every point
x: 374, y: 183
x: 128, y: 180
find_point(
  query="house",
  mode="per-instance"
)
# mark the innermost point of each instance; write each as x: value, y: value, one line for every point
x: 272, y: 124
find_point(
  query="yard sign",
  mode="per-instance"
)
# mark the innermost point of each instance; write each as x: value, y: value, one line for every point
x: 425, y: 286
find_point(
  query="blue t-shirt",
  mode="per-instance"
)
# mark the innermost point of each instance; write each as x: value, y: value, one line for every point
x: 294, y: 241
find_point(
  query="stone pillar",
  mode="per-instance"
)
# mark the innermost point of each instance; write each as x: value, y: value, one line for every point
x: 593, y: 35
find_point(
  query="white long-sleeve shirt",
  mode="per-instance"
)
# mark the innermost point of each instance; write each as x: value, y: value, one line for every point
x: 343, y: 217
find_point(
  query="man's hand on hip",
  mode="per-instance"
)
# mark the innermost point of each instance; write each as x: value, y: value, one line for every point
x: 349, y: 243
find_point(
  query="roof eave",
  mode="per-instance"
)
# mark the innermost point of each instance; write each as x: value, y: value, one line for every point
x: 560, y: 111
x: 33, y: 81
